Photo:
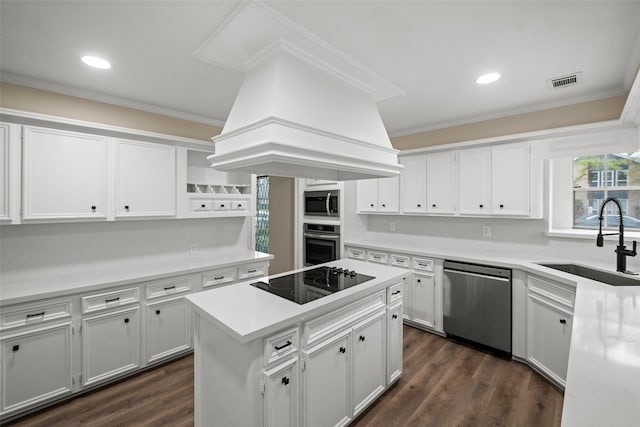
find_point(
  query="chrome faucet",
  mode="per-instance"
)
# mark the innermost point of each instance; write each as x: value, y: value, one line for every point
x: 621, y: 249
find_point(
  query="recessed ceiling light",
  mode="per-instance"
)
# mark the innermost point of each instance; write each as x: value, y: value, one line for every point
x: 488, y: 78
x: 95, y: 62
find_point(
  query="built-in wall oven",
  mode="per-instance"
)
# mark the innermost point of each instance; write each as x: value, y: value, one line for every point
x: 322, y: 203
x: 321, y: 243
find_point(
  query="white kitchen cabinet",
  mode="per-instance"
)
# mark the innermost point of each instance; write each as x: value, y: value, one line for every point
x: 394, y: 342
x: 422, y: 307
x: 5, y: 133
x: 326, y: 376
x: 110, y: 344
x: 474, y: 188
x: 167, y: 329
x: 369, y: 361
x: 281, y: 395
x: 36, y: 367
x: 441, y: 183
x: 64, y: 175
x: 379, y: 195
x: 145, y: 179
x: 413, y: 184
x: 510, y: 180
x: 549, y: 323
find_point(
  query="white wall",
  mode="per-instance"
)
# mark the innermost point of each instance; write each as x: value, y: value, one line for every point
x: 29, y: 247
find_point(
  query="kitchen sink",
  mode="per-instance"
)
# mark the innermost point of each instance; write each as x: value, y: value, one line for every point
x: 610, y: 278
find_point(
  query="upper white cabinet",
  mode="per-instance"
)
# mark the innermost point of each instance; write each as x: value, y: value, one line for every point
x: 474, y: 189
x: 5, y: 132
x: 510, y: 175
x: 441, y: 180
x: 379, y: 195
x: 64, y: 175
x: 413, y: 184
x: 145, y: 179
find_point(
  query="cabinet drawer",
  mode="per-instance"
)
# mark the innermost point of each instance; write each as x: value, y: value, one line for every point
x: 555, y: 291
x: 400, y: 260
x: 238, y: 205
x: 356, y: 253
x: 201, y: 205
x: 394, y: 293
x: 424, y: 264
x: 379, y: 257
x: 219, y: 277
x: 221, y: 205
x: 280, y: 346
x: 28, y: 314
x: 168, y: 287
x: 252, y: 270
x: 107, y: 300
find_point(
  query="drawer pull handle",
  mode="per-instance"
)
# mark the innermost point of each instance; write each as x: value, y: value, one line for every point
x: 361, y: 338
x: 29, y: 316
x: 15, y: 347
x: 218, y: 278
x: 107, y: 301
x: 126, y: 320
x: 157, y: 311
x: 343, y: 350
x: 285, y: 380
x: 251, y: 271
x: 563, y: 321
x: 168, y: 288
x: 395, y: 293
x: 285, y: 345
x: 394, y: 316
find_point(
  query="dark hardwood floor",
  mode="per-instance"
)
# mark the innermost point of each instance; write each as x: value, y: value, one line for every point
x: 443, y: 384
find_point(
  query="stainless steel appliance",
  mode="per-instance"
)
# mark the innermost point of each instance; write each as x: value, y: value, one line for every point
x: 322, y: 203
x: 477, y: 304
x: 309, y: 285
x: 321, y: 243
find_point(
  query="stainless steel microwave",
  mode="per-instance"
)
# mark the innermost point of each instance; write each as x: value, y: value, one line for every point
x: 322, y: 203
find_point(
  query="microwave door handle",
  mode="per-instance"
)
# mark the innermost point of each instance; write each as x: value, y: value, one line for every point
x: 327, y: 203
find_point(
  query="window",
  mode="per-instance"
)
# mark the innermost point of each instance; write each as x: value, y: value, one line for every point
x: 596, y: 178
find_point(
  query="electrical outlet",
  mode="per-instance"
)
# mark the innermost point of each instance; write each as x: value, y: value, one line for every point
x: 392, y: 226
x: 486, y: 231
x: 193, y: 249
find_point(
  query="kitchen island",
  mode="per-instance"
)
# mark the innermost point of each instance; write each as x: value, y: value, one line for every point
x: 261, y: 359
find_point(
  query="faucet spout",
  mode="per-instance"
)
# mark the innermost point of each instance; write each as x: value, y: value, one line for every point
x: 621, y: 250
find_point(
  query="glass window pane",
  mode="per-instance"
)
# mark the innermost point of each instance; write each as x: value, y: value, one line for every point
x: 587, y: 171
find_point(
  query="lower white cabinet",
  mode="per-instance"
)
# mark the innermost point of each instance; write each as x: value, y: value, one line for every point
x: 167, y: 329
x: 394, y: 342
x: 36, y: 366
x: 369, y: 361
x: 281, y: 395
x: 421, y: 308
x: 110, y: 344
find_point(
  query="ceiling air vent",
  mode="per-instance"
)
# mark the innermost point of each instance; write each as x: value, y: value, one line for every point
x: 565, y: 81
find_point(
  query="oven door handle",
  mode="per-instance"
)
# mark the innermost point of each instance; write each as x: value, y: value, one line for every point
x: 327, y: 203
x: 322, y: 236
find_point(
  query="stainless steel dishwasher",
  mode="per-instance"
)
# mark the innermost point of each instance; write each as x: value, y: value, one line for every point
x: 477, y: 304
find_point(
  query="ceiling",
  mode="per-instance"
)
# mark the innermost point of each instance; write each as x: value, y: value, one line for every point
x: 432, y: 50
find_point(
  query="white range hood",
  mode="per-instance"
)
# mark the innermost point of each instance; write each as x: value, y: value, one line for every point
x: 304, y: 109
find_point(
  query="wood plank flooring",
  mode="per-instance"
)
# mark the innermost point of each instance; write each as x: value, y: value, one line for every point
x: 443, y: 384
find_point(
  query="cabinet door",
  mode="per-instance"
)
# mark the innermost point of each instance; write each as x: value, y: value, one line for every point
x: 394, y: 343
x: 4, y: 171
x: 368, y: 195
x: 145, y: 179
x: 548, y: 337
x: 441, y: 182
x: 64, y: 175
x: 510, y: 179
x: 110, y: 345
x: 423, y: 299
x: 36, y: 367
x: 369, y: 361
x: 281, y: 395
x: 166, y: 329
x: 326, y: 394
x: 413, y: 184
x: 389, y: 194
x: 474, y: 188
x: 406, y: 297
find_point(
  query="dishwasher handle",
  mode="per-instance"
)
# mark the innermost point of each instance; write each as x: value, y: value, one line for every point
x: 483, y: 276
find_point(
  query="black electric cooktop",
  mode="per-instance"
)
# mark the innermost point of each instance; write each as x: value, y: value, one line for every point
x: 312, y: 284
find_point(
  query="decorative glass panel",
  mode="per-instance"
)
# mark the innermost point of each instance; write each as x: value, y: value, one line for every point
x: 262, y: 214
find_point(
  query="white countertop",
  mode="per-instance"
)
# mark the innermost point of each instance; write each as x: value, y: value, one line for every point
x: 21, y: 286
x: 247, y: 313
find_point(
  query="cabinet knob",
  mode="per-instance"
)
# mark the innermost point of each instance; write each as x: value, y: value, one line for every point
x: 126, y: 320
x: 15, y: 347
x: 126, y: 208
x: 419, y: 205
x: 419, y: 280
x: 361, y: 338
x: 384, y: 206
x: 501, y: 206
x: 343, y: 350
x: 563, y: 321
x: 157, y: 311
x: 93, y: 208
x: 285, y: 380
x: 394, y: 316
x: 202, y: 206
x: 371, y: 204
x: 481, y: 206
x: 433, y: 205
